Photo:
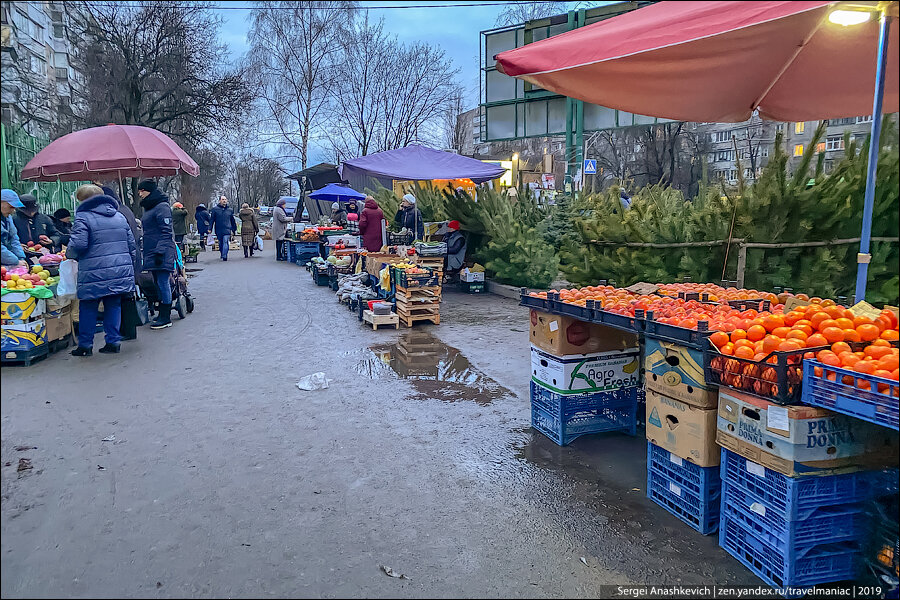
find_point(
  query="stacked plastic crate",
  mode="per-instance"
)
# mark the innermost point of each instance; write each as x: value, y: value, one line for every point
x: 585, y: 378
x: 682, y: 455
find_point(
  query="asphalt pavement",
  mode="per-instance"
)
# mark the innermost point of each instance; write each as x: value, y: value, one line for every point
x: 191, y: 465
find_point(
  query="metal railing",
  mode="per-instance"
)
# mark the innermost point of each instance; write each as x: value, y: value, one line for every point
x: 18, y: 147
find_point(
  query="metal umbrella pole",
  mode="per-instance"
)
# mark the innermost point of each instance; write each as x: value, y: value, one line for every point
x: 864, y: 257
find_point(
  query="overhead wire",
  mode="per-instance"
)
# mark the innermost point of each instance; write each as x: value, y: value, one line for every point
x: 228, y: 6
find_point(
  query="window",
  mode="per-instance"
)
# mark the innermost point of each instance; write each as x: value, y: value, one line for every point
x: 798, y: 150
x: 764, y: 151
x: 866, y: 119
x: 820, y: 147
x: 732, y: 174
x: 799, y: 126
x: 779, y: 128
x: 59, y: 30
x: 721, y: 136
x: 834, y: 142
x: 38, y: 65
x: 725, y: 155
x: 849, y: 121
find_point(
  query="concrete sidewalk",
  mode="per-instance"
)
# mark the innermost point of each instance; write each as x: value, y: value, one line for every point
x: 224, y: 479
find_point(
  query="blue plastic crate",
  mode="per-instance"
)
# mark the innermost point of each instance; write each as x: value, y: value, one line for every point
x: 823, y: 563
x: 689, y: 492
x: 564, y: 418
x: 879, y: 407
x: 793, y: 498
x: 839, y: 523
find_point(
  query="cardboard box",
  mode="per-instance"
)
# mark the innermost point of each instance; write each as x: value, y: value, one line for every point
x: 561, y: 336
x: 586, y: 373
x: 21, y: 307
x: 21, y: 337
x: 800, y: 440
x: 59, y: 326
x: 470, y: 276
x: 686, y: 431
x: 677, y: 371
x: 56, y: 304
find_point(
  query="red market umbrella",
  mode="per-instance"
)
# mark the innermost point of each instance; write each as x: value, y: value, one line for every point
x: 109, y: 152
x: 721, y: 61
x: 716, y: 62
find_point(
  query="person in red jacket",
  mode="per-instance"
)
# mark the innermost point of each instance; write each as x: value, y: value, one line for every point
x: 370, y: 225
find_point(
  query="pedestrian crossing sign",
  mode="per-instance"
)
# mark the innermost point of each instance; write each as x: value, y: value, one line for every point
x: 590, y: 166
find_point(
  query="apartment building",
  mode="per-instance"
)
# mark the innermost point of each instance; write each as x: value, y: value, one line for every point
x: 40, y: 84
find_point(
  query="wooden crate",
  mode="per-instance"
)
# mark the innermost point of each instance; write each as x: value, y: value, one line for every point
x: 407, y: 321
x: 421, y: 293
x: 431, y: 262
x: 375, y: 320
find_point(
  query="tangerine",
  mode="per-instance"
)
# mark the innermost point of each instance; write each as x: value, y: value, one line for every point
x: 833, y: 334
x: 744, y: 352
x: 891, y: 335
x: 876, y: 352
x: 738, y: 334
x: 770, y: 343
x: 816, y: 339
x: 844, y: 323
x: 758, y: 332
x: 719, y: 339
x: 867, y: 333
x: 840, y: 347
x: 851, y: 335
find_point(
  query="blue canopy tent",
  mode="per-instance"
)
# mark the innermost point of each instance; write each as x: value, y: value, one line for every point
x: 334, y: 192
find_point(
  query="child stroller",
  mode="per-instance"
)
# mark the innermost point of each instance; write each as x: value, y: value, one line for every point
x: 182, y: 302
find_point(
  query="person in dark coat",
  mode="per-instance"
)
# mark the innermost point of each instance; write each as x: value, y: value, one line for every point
x: 204, y: 224
x: 249, y: 229
x: 136, y: 229
x: 62, y: 220
x: 102, y: 243
x: 223, y: 224
x: 34, y: 226
x: 410, y: 217
x: 456, y: 248
x: 370, y: 225
x: 179, y: 223
x: 159, y: 247
x: 338, y: 214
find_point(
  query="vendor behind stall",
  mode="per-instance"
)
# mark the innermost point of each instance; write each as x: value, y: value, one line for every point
x: 36, y: 227
x: 456, y: 248
x: 338, y: 214
x: 410, y: 217
x: 11, y: 249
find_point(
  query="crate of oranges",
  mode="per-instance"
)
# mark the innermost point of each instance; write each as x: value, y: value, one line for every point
x: 765, y: 359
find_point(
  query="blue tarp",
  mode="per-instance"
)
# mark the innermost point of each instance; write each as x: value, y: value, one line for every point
x: 420, y: 163
x: 337, y: 193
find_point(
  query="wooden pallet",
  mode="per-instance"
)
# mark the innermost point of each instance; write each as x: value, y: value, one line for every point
x: 407, y: 321
x: 375, y: 320
x: 404, y: 305
x: 433, y: 291
x: 431, y: 262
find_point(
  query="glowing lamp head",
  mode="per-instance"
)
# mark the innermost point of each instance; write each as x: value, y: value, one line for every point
x: 847, y: 18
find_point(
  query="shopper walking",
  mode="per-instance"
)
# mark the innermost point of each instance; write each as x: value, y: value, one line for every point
x: 159, y: 247
x: 280, y: 222
x: 35, y: 227
x: 370, y: 225
x: 11, y: 253
x: 223, y: 224
x: 204, y: 224
x: 102, y: 243
x: 179, y: 224
x: 249, y: 229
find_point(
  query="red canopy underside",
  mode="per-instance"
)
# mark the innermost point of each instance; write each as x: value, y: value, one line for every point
x: 716, y: 62
x: 109, y: 152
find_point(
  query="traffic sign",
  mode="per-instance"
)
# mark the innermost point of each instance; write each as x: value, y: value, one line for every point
x: 590, y: 166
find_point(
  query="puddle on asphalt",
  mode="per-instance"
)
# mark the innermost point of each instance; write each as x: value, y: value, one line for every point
x: 435, y: 369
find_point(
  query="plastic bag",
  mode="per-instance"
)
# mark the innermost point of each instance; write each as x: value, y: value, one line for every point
x: 259, y: 242
x: 316, y: 381
x: 68, y: 278
x: 210, y: 239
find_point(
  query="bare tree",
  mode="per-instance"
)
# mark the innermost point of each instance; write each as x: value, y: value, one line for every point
x: 454, y: 129
x: 294, y: 53
x: 520, y: 12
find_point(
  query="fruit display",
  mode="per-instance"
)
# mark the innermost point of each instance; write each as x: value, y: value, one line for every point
x: 51, y: 259
x: 21, y: 279
x: 32, y: 248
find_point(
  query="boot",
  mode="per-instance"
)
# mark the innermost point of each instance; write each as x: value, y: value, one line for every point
x: 79, y: 351
x: 110, y: 349
x: 164, y: 319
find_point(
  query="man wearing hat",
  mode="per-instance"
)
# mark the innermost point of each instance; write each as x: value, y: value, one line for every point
x: 34, y: 226
x: 11, y: 253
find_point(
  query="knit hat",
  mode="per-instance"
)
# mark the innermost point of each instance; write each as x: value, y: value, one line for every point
x: 454, y: 225
x: 62, y: 213
x: 281, y: 202
x: 148, y: 185
x: 28, y: 200
x: 178, y: 205
x: 335, y: 206
x: 410, y: 198
x: 201, y: 205
x: 12, y: 197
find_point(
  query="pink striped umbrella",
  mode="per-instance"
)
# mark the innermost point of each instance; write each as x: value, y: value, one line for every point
x: 109, y: 152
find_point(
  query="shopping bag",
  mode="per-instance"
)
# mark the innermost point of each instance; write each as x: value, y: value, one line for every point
x: 259, y: 242
x: 68, y: 278
x: 143, y: 310
x: 210, y: 239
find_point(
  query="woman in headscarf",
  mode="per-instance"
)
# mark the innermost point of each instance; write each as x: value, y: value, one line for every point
x: 280, y: 222
x: 204, y: 224
x: 249, y: 229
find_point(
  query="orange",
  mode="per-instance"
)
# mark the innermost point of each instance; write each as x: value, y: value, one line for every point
x: 866, y: 367
x: 848, y: 359
x: 738, y: 334
x: 818, y: 318
x: 804, y: 326
x: 789, y: 346
x: 867, y: 333
x: 891, y: 335
x: 833, y: 311
x: 772, y: 322
x: 829, y: 358
x: 758, y: 332
x: 744, y: 352
x: 719, y: 339
x: 827, y: 323
x: 844, y: 323
x: 770, y: 343
x: 883, y: 323
x: 833, y: 334
x: 889, y: 362
x: 727, y: 349
x: 816, y: 339
x: 839, y: 347
x: 861, y: 320
x: 743, y: 344
x: 876, y: 352
x: 796, y: 334
x: 851, y: 335
x: 881, y: 342
x: 792, y: 317
x: 781, y: 332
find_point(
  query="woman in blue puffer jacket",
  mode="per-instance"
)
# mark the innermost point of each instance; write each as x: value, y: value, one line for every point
x: 102, y: 243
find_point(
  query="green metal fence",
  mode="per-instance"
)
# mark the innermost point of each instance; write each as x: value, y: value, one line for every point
x: 18, y: 148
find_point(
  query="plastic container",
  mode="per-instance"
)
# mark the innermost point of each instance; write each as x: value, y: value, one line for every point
x: 795, y: 498
x: 824, y: 386
x: 693, y: 338
x: 564, y: 418
x: 382, y: 308
x: 690, y: 492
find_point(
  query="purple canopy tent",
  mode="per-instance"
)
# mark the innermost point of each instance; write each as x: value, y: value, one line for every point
x: 416, y: 163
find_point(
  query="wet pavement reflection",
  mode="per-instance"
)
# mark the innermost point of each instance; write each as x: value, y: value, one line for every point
x: 435, y: 369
